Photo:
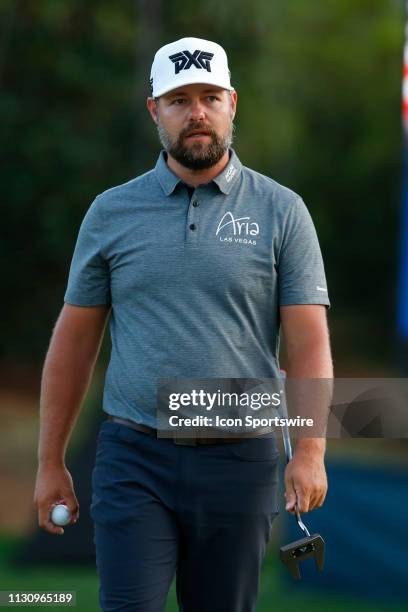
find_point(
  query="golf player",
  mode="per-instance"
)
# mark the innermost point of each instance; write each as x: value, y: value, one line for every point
x: 197, y: 265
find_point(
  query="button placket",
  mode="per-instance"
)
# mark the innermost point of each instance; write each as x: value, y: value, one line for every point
x: 193, y: 220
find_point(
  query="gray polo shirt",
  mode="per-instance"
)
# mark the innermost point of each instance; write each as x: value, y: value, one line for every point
x: 195, y: 285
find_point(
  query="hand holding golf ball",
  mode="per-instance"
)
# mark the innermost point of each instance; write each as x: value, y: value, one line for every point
x: 60, y: 515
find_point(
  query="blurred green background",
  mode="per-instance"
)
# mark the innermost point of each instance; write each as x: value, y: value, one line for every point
x: 319, y: 86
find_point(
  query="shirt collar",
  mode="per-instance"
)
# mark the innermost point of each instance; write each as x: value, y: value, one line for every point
x: 225, y: 180
x: 167, y: 179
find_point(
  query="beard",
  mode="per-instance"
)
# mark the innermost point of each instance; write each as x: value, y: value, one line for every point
x: 198, y: 155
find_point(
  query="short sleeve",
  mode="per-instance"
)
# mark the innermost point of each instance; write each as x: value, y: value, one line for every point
x: 89, y: 278
x: 301, y: 275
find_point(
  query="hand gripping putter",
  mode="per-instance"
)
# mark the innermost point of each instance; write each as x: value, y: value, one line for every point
x: 309, y: 546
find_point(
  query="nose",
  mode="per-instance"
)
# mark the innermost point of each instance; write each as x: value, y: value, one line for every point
x: 197, y: 112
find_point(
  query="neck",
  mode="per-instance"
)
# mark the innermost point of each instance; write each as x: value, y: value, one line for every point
x: 197, y: 177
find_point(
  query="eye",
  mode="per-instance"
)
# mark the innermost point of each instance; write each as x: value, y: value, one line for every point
x: 212, y: 98
x: 178, y: 101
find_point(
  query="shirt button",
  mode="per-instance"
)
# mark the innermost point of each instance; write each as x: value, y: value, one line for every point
x: 192, y: 226
x: 195, y: 203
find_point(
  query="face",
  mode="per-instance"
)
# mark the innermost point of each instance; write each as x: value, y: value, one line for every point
x: 195, y: 123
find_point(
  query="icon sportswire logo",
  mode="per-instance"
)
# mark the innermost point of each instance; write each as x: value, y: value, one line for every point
x: 240, y: 230
x: 184, y: 60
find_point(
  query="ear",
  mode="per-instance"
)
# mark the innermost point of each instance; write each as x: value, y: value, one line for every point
x: 234, y: 101
x: 152, y: 108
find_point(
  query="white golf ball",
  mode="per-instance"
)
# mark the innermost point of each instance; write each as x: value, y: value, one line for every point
x: 60, y: 515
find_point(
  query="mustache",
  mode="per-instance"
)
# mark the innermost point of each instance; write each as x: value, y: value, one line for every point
x: 195, y: 127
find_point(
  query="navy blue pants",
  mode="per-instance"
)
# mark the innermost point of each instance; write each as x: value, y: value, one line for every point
x: 204, y: 513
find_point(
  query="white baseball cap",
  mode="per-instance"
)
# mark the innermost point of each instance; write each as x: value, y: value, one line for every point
x: 187, y: 61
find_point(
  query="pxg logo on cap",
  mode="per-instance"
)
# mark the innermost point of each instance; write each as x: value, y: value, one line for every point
x: 184, y: 60
x: 188, y: 61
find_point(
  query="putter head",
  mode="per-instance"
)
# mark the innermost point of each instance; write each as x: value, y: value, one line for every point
x: 311, y: 546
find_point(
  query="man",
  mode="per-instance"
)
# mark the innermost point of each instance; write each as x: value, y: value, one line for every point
x: 197, y: 263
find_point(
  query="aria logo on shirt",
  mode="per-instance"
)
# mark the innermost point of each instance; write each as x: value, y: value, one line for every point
x: 243, y: 230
